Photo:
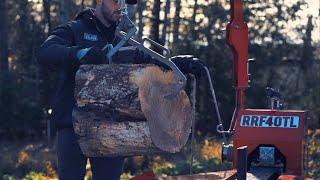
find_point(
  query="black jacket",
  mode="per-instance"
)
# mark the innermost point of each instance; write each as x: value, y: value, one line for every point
x: 58, y: 50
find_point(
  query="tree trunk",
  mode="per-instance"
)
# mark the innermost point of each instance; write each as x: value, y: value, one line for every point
x: 124, y: 110
x: 3, y: 37
x: 23, y: 45
x: 155, y: 22
x: 64, y: 10
x: 166, y: 22
x: 94, y: 3
x: 82, y: 6
x: 140, y: 7
x: 100, y: 137
x: 193, y: 21
x: 176, y: 23
x: 46, y: 8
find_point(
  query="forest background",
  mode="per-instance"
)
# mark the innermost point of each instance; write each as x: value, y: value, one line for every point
x: 284, y: 42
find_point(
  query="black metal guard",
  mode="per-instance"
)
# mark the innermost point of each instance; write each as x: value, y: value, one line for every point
x: 242, y: 163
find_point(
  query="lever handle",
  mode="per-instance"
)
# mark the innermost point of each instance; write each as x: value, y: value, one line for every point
x: 272, y: 93
x: 152, y: 42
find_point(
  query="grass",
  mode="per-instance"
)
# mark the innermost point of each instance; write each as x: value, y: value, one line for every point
x: 36, y: 161
x: 314, y: 153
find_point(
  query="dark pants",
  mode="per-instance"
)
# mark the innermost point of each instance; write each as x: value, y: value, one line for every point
x: 72, y: 163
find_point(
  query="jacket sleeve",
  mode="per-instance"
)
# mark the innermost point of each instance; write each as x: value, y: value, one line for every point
x: 58, y: 50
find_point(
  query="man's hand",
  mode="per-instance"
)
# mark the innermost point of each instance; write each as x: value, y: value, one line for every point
x: 189, y: 64
x: 91, y: 55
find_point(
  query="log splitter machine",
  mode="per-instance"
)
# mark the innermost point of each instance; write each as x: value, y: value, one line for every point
x: 273, y: 138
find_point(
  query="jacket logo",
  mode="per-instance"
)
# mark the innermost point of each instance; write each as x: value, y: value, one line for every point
x: 90, y: 37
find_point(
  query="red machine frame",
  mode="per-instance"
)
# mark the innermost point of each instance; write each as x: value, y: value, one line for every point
x: 288, y: 140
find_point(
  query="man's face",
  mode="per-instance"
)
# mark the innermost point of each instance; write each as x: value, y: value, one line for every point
x: 111, y: 10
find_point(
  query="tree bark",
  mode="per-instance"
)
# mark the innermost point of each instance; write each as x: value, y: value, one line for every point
x: 155, y: 23
x: 64, y: 10
x: 3, y: 37
x: 46, y: 8
x: 193, y: 21
x: 124, y: 110
x: 82, y: 6
x: 140, y: 7
x: 166, y: 22
x: 100, y: 137
x: 176, y: 22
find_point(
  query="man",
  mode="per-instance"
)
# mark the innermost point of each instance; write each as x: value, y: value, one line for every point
x: 80, y: 42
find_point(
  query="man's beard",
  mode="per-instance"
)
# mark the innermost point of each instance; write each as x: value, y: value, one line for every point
x: 108, y: 15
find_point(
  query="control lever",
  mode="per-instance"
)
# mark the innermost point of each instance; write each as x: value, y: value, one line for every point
x: 276, y: 98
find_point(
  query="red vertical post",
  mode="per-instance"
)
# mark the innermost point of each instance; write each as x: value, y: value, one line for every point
x: 237, y: 39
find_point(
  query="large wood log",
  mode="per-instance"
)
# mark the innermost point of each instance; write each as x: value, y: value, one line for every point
x: 124, y: 110
x: 101, y: 137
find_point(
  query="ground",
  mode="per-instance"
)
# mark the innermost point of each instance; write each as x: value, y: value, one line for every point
x: 35, y: 160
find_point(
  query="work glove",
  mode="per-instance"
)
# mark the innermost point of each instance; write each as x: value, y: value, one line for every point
x: 90, y: 55
x: 189, y: 64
